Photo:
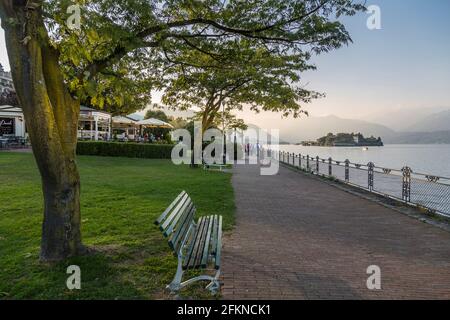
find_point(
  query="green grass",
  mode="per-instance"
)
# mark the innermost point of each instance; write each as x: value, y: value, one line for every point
x: 120, y: 199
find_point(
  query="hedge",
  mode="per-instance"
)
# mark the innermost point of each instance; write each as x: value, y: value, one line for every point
x: 122, y: 149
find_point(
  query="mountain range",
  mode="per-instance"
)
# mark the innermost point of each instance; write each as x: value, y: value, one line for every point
x: 426, y: 129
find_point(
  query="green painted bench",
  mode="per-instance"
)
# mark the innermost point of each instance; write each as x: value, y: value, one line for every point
x: 197, y: 245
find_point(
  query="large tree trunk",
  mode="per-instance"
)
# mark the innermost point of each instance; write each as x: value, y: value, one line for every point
x: 52, y: 120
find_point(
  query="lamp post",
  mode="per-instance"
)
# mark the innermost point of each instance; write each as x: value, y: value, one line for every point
x: 223, y: 132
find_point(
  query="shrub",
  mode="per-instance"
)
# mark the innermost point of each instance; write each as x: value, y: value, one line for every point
x: 120, y: 149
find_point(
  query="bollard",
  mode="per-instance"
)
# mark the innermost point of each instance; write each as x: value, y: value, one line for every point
x: 317, y: 164
x: 370, y: 174
x: 406, y: 185
x: 347, y: 170
x: 330, y: 167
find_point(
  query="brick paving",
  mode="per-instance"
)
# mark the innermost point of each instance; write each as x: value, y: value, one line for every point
x: 299, y: 238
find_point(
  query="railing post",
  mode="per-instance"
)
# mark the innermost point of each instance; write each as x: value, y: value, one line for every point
x: 307, y: 162
x: 406, y: 189
x: 347, y: 170
x: 330, y: 167
x: 299, y: 160
x: 293, y: 159
x: 317, y: 164
x: 370, y: 167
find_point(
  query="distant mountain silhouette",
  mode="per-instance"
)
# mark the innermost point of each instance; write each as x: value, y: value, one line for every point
x: 437, y: 137
x: 311, y: 128
x: 436, y: 122
x: 403, y: 119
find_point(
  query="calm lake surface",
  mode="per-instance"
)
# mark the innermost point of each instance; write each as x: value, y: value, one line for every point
x: 429, y: 159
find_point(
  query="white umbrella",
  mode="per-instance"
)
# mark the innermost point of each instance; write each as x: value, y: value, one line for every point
x: 123, y: 120
x: 154, y: 123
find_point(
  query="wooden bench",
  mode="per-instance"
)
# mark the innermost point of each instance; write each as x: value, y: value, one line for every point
x: 197, y: 245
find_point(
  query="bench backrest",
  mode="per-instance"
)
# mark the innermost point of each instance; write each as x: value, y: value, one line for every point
x: 175, y: 222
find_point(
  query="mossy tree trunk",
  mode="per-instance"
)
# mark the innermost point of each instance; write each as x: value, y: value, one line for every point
x: 52, y: 115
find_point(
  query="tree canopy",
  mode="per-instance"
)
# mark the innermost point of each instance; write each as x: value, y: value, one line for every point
x: 124, y: 47
x: 258, y: 78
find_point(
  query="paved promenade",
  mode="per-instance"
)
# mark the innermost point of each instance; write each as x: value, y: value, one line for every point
x: 299, y: 238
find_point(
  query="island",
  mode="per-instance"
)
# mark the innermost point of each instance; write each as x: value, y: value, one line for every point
x: 345, y: 140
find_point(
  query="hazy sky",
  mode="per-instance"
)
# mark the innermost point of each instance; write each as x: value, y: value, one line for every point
x: 406, y: 64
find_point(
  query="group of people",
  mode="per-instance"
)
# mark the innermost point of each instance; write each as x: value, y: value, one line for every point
x: 253, y: 149
x: 146, y: 137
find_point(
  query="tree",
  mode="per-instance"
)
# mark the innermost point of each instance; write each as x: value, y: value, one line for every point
x: 156, y: 114
x: 260, y: 79
x: 178, y: 123
x: 114, y: 58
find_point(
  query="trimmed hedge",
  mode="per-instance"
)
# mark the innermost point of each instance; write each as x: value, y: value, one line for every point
x: 124, y: 149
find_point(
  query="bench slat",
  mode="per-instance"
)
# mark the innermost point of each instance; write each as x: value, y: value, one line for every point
x: 204, y: 259
x: 202, y: 244
x: 180, y: 216
x: 198, y: 245
x: 169, y: 208
x: 179, y: 234
x: 194, y: 243
x: 219, y: 244
x: 214, y: 235
x: 174, y: 213
x: 191, y: 258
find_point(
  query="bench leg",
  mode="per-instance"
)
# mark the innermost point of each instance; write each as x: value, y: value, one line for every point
x: 214, y: 285
x: 175, y: 285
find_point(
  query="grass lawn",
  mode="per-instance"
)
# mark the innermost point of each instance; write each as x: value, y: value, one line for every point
x: 120, y: 199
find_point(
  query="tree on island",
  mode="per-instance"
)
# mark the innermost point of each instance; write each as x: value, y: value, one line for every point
x: 349, y: 139
x: 114, y: 57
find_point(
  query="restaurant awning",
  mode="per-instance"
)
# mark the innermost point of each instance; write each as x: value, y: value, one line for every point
x: 124, y: 120
x: 154, y: 123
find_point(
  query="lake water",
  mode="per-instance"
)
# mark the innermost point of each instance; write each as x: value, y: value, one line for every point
x: 428, y: 159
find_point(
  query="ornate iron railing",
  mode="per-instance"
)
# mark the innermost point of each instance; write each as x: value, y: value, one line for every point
x: 426, y: 191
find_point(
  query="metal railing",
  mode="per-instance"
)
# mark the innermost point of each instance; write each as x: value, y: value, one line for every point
x: 425, y: 191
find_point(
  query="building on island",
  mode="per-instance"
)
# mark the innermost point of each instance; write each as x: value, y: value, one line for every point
x: 347, y: 140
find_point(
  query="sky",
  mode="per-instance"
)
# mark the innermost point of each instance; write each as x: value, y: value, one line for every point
x: 405, y: 65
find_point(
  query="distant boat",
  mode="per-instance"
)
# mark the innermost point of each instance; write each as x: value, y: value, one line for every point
x: 365, y: 148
